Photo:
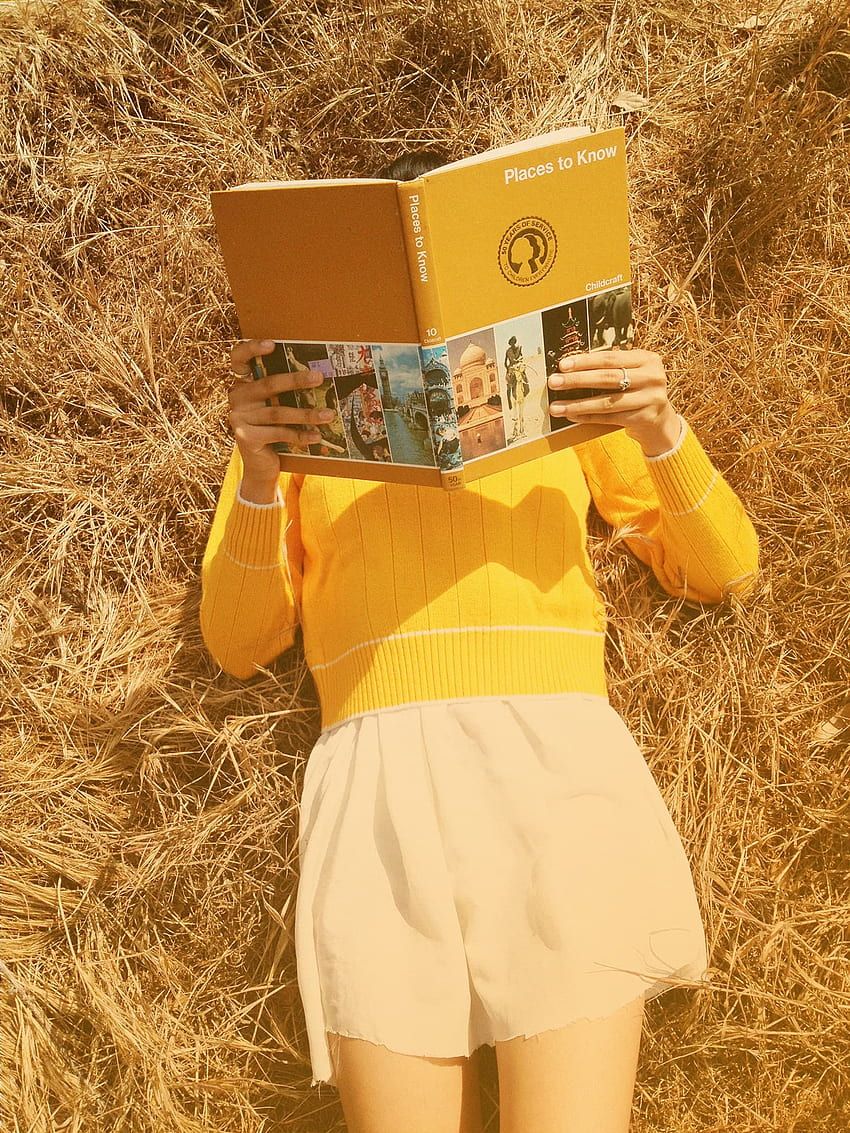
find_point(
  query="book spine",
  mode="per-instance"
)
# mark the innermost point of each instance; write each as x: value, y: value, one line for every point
x: 417, y: 238
x: 423, y: 284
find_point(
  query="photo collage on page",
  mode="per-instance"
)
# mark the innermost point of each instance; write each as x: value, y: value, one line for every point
x: 395, y: 402
x: 500, y: 373
x: 379, y: 394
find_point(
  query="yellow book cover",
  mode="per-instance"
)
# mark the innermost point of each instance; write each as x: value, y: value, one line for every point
x: 436, y: 309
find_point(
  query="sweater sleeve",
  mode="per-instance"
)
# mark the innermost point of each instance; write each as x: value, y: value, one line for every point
x: 675, y: 512
x: 251, y: 575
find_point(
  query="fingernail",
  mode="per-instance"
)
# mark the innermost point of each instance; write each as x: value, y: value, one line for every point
x: 555, y: 382
x: 566, y: 363
x: 267, y: 343
x: 326, y: 414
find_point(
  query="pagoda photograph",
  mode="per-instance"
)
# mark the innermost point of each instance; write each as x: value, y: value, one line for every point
x: 522, y: 370
x: 565, y: 332
x: 475, y: 381
x: 403, y: 400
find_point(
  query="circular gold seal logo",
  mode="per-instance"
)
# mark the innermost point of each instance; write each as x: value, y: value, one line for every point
x: 527, y: 250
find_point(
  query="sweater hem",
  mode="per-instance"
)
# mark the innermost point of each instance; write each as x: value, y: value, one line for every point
x: 456, y: 699
x: 461, y: 662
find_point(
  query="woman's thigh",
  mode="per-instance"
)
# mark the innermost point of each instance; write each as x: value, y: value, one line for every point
x: 576, y: 1079
x: 382, y: 1091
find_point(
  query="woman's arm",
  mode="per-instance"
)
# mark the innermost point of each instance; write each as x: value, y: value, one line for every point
x: 676, y: 512
x: 652, y: 479
x: 251, y: 575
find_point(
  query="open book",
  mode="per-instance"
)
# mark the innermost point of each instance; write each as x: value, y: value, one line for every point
x: 436, y: 309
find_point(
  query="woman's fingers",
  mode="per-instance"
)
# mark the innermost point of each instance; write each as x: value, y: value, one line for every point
x: 601, y: 403
x: 284, y: 415
x: 248, y: 348
x: 605, y: 360
x: 646, y: 391
x: 262, y: 389
x: 256, y: 436
x: 586, y: 376
x: 255, y: 410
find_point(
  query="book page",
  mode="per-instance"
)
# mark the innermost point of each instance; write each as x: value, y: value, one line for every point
x: 322, y: 262
x: 318, y: 183
x: 553, y: 137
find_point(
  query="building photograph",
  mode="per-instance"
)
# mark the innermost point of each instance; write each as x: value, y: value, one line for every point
x: 475, y: 381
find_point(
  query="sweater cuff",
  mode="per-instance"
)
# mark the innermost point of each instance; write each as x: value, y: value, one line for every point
x: 255, y: 533
x: 676, y: 446
x: 684, y: 475
x: 278, y: 500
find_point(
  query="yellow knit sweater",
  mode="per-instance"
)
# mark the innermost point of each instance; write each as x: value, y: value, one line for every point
x: 410, y: 594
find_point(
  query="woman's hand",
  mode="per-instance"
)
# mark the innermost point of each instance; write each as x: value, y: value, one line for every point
x: 257, y: 424
x: 642, y: 409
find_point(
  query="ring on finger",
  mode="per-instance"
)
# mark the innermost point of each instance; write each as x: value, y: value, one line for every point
x: 624, y: 381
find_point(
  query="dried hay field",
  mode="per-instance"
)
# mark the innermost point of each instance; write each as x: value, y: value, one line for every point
x: 149, y: 801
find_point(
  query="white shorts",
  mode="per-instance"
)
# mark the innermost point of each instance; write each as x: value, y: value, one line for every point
x: 481, y: 868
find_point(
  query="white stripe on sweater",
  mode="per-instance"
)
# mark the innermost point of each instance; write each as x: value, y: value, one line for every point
x: 715, y: 477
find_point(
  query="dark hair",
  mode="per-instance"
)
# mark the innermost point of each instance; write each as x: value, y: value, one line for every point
x: 409, y: 166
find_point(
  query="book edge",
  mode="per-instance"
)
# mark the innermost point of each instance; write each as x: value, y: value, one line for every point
x: 511, y: 149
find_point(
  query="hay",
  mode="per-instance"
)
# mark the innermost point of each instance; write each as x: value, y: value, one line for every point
x: 148, y: 804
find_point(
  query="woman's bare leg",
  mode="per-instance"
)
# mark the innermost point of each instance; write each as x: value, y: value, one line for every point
x: 576, y: 1079
x: 382, y: 1091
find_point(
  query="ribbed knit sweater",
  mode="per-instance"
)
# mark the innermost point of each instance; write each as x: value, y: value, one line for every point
x: 407, y: 594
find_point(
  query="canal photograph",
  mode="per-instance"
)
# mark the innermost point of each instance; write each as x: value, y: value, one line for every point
x: 403, y: 398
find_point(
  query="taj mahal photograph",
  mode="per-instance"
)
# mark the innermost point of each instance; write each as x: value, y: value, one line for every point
x: 477, y: 393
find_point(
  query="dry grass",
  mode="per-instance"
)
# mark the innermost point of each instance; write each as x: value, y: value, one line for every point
x: 148, y: 804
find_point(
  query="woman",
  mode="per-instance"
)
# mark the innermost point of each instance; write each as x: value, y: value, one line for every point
x: 485, y: 856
